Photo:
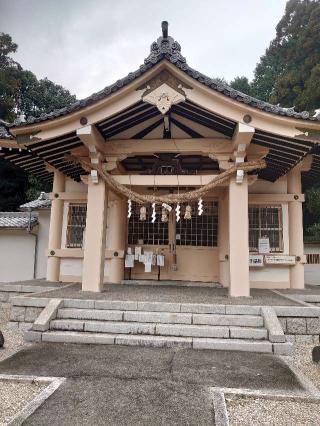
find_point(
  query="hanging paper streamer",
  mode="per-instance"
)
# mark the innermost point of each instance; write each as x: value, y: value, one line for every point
x: 167, y: 207
x: 178, y: 208
x: 153, y: 213
x: 164, y: 215
x: 143, y: 213
x: 200, y: 207
x: 129, y: 208
x: 187, y: 213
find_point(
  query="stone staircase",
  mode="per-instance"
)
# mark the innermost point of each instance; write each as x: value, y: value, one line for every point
x: 198, y: 326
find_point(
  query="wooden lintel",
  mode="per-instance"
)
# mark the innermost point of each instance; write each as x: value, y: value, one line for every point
x: 275, y: 198
x: 69, y: 196
x: 200, y: 146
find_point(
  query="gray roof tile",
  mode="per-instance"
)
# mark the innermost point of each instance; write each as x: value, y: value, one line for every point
x: 43, y: 202
x: 169, y: 49
x: 18, y: 220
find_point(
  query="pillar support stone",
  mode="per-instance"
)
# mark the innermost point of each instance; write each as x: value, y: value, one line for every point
x: 55, y: 229
x: 296, y: 247
x: 239, y: 285
x: 95, y: 237
x: 116, y: 237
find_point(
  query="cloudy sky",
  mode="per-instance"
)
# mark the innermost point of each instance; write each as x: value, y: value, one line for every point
x: 87, y: 44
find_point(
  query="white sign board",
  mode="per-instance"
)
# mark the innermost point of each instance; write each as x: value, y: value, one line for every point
x: 264, y: 245
x: 280, y: 259
x: 255, y: 260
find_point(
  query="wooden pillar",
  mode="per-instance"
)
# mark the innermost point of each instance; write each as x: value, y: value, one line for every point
x: 239, y: 239
x: 223, y: 240
x: 116, y: 237
x: 296, y: 246
x: 95, y: 237
x: 55, y: 229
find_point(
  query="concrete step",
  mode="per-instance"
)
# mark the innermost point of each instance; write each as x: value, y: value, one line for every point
x: 238, y: 320
x: 232, y: 345
x: 111, y: 339
x: 163, y: 341
x: 182, y: 330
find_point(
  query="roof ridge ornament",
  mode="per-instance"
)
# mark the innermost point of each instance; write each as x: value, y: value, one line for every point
x: 164, y: 27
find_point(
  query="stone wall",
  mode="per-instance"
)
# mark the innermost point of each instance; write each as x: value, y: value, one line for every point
x: 301, y: 329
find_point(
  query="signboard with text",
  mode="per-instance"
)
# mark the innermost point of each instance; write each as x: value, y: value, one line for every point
x: 255, y: 260
x: 280, y: 259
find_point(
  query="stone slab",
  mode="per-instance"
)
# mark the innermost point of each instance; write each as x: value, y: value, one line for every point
x: 42, y: 323
x: 297, y: 311
x: 78, y: 303
x: 119, y: 327
x: 201, y: 308
x: 39, y: 302
x: 232, y: 345
x: 117, y: 305
x: 236, y: 320
x: 283, y: 348
x: 78, y: 337
x: 243, y: 309
x: 248, y: 333
x: 25, y: 326
x: 313, y: 326
x: 32, y: 313
x: 296, y: 326
x: 158, y: 307
x: 154, y: 341
x: 10, y: 287
x: 17, y: 313
x: 192, y: 330
x: 159, y: 317
x: 32, y: 336
x: 74, y: 325
x: 273, y: 325
x: 90, y: 314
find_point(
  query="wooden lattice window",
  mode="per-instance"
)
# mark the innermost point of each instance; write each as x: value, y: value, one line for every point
x: 76, y: 225
x: 146, y: 232
x: 265, y: 222
x: 200, y: 231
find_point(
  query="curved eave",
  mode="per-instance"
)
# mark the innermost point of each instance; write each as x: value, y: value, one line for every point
x: 200, y: 94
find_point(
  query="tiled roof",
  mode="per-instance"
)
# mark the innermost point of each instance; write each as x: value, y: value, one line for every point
x: 4, y: 134
x: 167, y: 48
x: 43, y: 202
x: 18, y: 220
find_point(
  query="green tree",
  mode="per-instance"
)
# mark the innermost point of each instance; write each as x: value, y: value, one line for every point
x: 22, y: 93
x: 287, y: 73
x: 242, y: 84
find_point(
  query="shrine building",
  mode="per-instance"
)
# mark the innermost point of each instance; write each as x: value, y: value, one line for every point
x: 170, y: 175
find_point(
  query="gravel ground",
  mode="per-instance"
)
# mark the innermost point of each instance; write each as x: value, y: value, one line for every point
x: 173, y: 294
x: 13, y: 339
x: 250, y: 411
x: 303, y: 361
x: 14, y: 396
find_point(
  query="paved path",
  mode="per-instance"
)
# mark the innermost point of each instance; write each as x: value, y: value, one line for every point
x: 118, y: 385
x: 171, y: 294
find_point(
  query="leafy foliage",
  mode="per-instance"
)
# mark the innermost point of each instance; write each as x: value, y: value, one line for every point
x: 21, y: 93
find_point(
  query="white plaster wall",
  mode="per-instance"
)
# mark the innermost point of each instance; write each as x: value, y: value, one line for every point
x: 43, y: 237
x: 270, y: 273
x: 72, y: 186
x: 16, y: 255
x: 265, y: 187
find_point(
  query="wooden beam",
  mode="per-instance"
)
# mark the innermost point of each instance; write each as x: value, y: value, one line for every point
x: 241, y: 140
x: 188, y: 146
x: 91, y: 138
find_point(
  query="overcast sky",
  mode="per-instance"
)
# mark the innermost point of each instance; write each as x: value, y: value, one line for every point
x: 87, y: 44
